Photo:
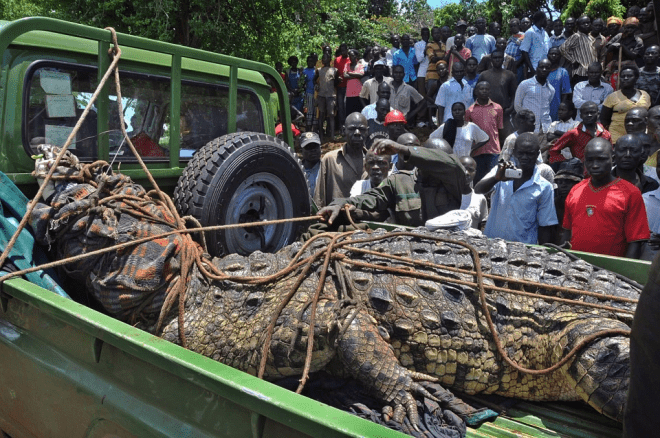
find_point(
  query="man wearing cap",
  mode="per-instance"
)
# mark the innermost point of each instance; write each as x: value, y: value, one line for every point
x: 369, y: 92
x: 461, y: 27
x: 395, y: 122
x: 310, y: 143
x: 342, y: 167
x: 605, y: 214
x: 435, y: 186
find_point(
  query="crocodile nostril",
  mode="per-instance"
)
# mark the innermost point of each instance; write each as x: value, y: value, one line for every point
x: 380, y: 299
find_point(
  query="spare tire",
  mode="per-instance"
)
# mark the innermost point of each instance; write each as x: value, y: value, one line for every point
x: 245, y: 177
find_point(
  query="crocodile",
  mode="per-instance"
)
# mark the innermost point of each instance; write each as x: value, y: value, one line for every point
x: 407, y: 319
x: 401, y: 331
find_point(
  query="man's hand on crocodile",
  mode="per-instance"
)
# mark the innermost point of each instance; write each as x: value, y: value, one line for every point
x: 331, y: 212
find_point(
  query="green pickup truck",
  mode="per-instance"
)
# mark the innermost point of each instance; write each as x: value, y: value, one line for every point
x: 197, y: 118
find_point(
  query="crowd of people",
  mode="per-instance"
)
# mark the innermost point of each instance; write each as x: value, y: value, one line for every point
x: 547, y: 135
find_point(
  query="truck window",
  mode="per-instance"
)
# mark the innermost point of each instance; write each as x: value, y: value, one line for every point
x: 57, y: 93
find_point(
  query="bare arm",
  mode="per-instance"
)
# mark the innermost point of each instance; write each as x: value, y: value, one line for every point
x: 634, y: 249
x: 545, y: 235
x: 606, y: 116
x: 528, y: 62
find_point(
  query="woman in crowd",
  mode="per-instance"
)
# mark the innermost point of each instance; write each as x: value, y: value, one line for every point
x: 620, y: 102
x: 354, y: 73
x: 465, y: 136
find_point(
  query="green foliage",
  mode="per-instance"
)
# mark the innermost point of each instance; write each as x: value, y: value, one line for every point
x: 14, y: 9
x: 468, y: 10
x: 592, y: 8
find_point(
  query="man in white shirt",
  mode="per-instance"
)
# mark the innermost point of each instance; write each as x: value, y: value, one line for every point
x: 456, y: 89
x: 420, y: 54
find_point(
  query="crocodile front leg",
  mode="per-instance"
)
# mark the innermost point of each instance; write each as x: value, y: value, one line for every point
x: 366, y: 356
x: 601, y: 370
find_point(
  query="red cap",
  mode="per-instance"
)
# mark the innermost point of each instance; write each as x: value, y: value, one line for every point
x: 394, y: 116
x: 278, y: 130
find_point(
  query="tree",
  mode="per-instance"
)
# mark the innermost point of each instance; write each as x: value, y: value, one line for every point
x: 468, y: 10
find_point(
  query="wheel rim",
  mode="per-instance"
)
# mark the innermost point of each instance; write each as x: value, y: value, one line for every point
x: 261, y: 197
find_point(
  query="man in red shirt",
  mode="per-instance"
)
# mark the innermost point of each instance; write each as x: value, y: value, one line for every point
x: 577, y: 138
x: 604, y: 214
x: 341, y: 64
x: 489, y: 116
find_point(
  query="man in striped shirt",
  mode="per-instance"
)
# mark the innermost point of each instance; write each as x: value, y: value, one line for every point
x: 579, y: 50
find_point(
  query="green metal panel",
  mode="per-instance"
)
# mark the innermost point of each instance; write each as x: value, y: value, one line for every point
x: 103, y: 101
x: 65, y: 366
x: 175, y: 110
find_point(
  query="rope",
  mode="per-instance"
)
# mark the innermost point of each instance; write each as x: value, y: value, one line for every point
x: 484, y: 306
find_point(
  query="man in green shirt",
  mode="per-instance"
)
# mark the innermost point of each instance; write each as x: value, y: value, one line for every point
x: 433, y: 188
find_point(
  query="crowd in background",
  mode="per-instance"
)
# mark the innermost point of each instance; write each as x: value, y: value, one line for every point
x: 547, y: 135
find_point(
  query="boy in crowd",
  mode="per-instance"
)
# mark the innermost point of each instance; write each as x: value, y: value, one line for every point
x: 477, y: 205
x: 327, y: 79
x: 309, y: 74
x: 576, y: 139
x: 376, y: 167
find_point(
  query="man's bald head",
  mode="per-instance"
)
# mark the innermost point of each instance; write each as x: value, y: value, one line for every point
x: 355, y: 130
x: 438, y: 143
x: 599, y: 143
x: 408, y: 139
x: 636, y: 120
x: 628, y: 151
x: 598, y: 159
x: 654, y: 119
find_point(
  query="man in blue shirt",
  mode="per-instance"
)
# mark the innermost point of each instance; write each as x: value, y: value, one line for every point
x: 522, y: 209
x: 405, y: 56
x: 536, y: 43
x: 481, y: 44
